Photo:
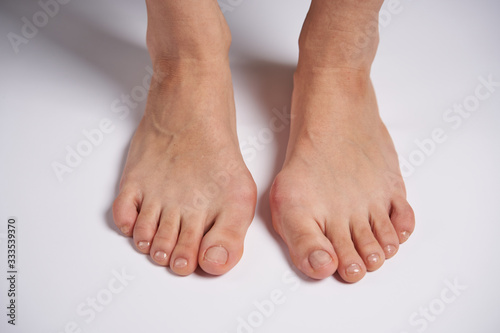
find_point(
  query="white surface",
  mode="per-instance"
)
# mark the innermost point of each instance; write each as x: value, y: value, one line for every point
x: 65, y: 79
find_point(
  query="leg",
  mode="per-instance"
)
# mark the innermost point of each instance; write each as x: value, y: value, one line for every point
x: 339, y: 202
x: 186, y: 195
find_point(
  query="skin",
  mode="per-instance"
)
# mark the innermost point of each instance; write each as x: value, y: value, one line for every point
x: 347, y: 211
x: 186, y: 196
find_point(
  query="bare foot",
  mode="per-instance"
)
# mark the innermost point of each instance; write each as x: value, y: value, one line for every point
x: 339, y: 202
x: 186, y: 195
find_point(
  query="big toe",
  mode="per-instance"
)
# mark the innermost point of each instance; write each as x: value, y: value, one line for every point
x: 310, y: 250
x: 222, y: 246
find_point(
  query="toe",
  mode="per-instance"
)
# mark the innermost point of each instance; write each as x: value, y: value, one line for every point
x: 165, y: 237
x: 145, y: 227
x: 309, y: 248
x: 125, y: 211
x: 222, y: 247
x: 351, y: 266
x: 184, y: 257
x: 403, y: 219
x: 385, y: 234
x: 367, y: 245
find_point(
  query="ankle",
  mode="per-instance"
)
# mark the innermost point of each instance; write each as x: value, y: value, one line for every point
x: 177, y: 70
x: 331, y: 79
x: 186, y: 30
x: 346, y: 54
x: 344, y: 37
x: 203, y: 48
x: 200, y: 50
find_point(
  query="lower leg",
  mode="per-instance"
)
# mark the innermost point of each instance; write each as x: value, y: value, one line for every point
x: 339, y: 203
x: 186, y: 196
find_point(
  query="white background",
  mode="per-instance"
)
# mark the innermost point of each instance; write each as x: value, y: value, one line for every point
x: 64, y: 80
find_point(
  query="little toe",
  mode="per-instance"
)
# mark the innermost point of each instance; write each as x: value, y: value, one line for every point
x: 184, y: 257
x: 403, y: 219
x: 125, y: 211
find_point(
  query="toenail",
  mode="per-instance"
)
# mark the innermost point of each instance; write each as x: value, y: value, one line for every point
x: 124, y: 230
x: 143, y: 245
x: 353, y: 269
x: 319, y: 258
x: 216, y: 254
x: 180, y: 262
x: 373, y: 258
x: 405, y: 235
x: 160, y: 255
x: 390, y: 250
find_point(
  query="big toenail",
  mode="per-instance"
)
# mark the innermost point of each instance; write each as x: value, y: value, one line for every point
x: 373, y: 258
x: 217, y: 255
x: 180, y: 262
x: 124, y: 230
x: 353, y: 269
x: 319, y: 258
x: 390, y: 250
x: 160, y: 255
x: 143, y: 245
x: 405, y: 235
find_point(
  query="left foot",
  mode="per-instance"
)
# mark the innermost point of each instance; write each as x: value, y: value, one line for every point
x: 339, y: 202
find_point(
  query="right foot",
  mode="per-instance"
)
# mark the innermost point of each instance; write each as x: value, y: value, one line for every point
x: 186, y: 195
